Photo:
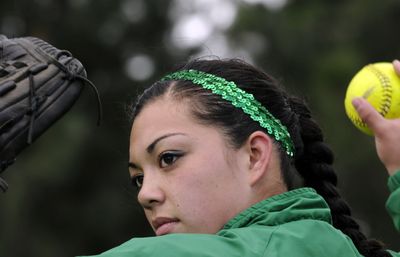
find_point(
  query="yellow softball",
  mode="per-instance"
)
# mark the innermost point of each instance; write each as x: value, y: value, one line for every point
x: 379, y: 84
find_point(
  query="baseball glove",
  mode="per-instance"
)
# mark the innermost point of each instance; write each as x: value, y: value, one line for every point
x: 38, y: 85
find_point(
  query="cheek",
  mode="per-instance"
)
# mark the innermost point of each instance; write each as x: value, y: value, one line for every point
x: 205, y: 195
x: 204, y: 178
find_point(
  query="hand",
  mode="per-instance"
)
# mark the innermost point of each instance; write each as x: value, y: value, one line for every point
x: 387, y: 132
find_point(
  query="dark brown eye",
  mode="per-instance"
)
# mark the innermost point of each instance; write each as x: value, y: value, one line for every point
x: 167, y: 159
x: 137, y: 181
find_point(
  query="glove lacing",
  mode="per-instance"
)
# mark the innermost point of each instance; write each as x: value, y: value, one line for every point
x: 35, y: 100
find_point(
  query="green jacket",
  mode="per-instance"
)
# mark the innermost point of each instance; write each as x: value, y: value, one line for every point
x: 295, y: 223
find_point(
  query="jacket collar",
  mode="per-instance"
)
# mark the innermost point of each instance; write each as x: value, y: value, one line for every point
x: 298, y: 204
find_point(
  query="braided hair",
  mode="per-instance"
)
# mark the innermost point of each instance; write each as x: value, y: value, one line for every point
x: 312, y: 164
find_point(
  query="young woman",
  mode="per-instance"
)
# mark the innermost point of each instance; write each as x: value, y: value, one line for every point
x: 228, y: 164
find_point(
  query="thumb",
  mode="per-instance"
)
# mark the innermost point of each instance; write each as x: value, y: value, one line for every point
x: 368, y: 114
x: 396, y: 65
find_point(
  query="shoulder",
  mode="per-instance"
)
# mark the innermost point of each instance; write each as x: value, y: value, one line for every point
x: 310, y: 238
x: 303, y: 237
x: 241, y: 242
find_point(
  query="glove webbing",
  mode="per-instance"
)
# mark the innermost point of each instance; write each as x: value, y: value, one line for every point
x: 35, y: 101
x: 71, y: 76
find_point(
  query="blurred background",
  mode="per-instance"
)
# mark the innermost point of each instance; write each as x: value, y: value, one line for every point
x: 70, y: 192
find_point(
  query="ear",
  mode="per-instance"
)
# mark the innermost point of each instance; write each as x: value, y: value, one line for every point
x: 259, y: 148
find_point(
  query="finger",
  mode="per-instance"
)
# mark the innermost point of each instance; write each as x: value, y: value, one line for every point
x: 396, y: 65
x: 368, y: 114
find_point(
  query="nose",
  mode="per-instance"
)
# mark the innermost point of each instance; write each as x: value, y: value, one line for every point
x: 151, y: 193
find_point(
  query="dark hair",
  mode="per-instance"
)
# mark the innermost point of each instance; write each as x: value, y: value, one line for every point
x: 313, y: 158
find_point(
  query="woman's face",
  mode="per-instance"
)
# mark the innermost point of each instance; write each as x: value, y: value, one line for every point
x: 190, y: 180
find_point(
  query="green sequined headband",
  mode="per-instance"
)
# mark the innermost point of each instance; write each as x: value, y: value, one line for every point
x: 240, y: 99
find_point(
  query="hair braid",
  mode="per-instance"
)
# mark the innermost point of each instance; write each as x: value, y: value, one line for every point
x: 314, y: 164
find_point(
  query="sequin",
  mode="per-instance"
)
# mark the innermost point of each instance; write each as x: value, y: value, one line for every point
x: 240, y: 99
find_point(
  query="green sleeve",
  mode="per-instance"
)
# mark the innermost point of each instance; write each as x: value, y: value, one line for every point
x: 187, y: 245
x: 310, y: 238
x: 393, y: 202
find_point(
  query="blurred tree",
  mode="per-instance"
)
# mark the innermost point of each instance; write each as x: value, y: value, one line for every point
x: 70, y: 192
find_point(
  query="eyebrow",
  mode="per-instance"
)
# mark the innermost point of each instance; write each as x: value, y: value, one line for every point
x: 151, y: 146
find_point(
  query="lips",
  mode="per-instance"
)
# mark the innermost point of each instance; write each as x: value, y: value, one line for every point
x: 163, y: 225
